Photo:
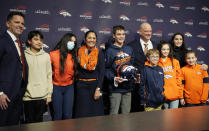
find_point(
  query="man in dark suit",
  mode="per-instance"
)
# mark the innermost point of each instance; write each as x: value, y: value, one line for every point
x: 140, y: 47
x: 13, y: 70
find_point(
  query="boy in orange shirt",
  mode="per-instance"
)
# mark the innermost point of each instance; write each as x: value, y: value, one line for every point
x: 195, y: 82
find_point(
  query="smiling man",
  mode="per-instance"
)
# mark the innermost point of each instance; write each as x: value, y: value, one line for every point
x: 140, y: 46
x: 13, y: 70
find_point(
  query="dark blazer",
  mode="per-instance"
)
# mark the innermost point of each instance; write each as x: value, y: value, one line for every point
x: 140, y: 58
x: 11, y: 82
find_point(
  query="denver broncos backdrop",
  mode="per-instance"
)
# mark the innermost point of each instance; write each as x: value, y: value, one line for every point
x: 55, y: 18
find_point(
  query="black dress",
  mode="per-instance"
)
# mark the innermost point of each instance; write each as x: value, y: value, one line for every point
x: 85, y: 105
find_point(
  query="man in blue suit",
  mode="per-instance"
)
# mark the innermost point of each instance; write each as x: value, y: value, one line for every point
x: 13, y: 70
x: 140, y: 47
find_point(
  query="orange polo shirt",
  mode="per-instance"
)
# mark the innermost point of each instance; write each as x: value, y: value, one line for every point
x: 195, y: 91
x: 66, y: 78
x: 172, y: 86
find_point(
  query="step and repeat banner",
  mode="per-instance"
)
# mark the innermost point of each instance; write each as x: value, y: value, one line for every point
x: 55, y: 18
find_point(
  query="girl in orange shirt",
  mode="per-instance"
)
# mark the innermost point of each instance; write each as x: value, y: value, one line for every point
x: 63, y: 60
x: 173, y: 91
x: 196, y: 82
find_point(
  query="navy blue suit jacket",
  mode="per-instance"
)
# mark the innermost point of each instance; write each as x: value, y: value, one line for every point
x: 11, y: 82
x: 140, y: 58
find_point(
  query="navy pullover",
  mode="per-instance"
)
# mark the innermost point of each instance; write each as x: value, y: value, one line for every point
x: 114, y: 57
x: 151, y: 86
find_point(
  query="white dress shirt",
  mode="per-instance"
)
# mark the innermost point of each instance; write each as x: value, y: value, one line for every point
x: 14, y: 39
x: 150, y: 46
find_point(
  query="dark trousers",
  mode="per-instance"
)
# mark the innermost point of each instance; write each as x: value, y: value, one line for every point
x: 62, y: 100
x: 135, y: 100
x: 11, y: 116
x: 34, y: 110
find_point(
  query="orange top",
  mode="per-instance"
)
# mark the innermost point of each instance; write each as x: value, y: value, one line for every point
x: 172, y: 86
x: 195, y: 91
x: 66, y: 78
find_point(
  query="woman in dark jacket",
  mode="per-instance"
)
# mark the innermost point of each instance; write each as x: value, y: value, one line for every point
x: 179, y: 49
x: 91, y: 67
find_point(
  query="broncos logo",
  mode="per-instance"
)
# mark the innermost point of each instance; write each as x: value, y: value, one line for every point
x: 122, y: 54
x: 127, y: 68
x: 168, y: 76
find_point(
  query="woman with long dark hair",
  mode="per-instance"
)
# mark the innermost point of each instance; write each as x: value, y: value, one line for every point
x: 91, y: 67
x: 179, y: 49
x: 63, y: 59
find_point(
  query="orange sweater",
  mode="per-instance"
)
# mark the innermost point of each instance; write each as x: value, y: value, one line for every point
x: 172, y: 86
x: 195, y: 91
x: 67, y: 77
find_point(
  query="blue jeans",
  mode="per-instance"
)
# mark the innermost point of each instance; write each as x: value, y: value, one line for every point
x: 62, y: 100
x: 171, y: 104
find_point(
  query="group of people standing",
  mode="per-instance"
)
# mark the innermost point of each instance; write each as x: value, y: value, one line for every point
x: 72, y: 78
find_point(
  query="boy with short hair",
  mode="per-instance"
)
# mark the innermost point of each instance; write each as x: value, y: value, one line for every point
x: 195, y: 82
x: 152, y: 82
x: 119, y: 72
x: 39, y: 89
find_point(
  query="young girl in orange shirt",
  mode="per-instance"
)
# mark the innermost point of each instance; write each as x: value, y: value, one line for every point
x: 196, y: 82
x: 173, y: 91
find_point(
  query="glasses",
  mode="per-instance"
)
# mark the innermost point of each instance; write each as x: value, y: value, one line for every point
x: 154, y: 57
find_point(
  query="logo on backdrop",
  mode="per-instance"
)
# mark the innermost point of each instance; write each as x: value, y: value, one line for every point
x: 189, y: 48
x: 200, y: 62
x: 84, y: 29
x: 64, y: 13
x: 159, y: 5
x: 158, y: 33
x: 170, y: 34
x: 107, y: 1
x: 203, y: 23
x: 205, y: 9
x: 175, y: 7
x: 105, y: 17
x: 173, y: 21
x: 158, y: 20
x: 43, y: 28
x: 187, y: 34
x: 45, y: 46
x: 86, y: 15
x: 126, y: 2
x: 200, y: 48
x: 142, y: 4
x: 190, y: 8
x: 124, y: 17
x: 142, y: 19
x: 20, y: 8
x: 127, y: 32
x: 44, y: 12
x: 189, y: 22
x: 105, y: 31
x: 65, y: 29
x: 202, y: 35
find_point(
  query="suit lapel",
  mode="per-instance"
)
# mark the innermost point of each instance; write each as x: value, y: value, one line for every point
x: 140, y: 47
x: 12, y: 45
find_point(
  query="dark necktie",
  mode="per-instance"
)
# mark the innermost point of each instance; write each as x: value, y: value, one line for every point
x: 145, y: 48
x: 22, y: 58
